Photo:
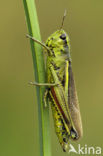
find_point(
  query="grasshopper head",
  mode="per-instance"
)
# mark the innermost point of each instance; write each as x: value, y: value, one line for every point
x: 58, y: 41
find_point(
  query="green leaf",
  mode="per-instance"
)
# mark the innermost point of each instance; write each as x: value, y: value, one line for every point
x: 39, y: 70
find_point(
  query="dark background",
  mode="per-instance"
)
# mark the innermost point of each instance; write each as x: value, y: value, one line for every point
x: 18, y: 108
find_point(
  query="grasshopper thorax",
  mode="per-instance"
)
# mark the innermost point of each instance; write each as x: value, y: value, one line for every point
x: 58, y: 42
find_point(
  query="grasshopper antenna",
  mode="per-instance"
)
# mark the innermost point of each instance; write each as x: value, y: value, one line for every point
x: 65, y: 12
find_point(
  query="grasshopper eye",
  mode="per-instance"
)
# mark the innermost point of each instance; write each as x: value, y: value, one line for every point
x: 63, y: 36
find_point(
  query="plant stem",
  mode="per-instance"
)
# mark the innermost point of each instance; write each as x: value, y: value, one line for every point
x: 38, y: 64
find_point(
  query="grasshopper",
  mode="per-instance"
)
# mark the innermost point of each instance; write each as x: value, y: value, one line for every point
x: 61, y: 90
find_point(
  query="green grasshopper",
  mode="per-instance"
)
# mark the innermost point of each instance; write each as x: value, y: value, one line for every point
x: 61, y: 90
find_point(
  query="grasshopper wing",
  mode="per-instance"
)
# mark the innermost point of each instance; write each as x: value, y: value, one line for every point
x: 73, y: 103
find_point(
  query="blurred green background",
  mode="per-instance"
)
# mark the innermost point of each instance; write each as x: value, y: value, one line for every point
x: 18, y: 109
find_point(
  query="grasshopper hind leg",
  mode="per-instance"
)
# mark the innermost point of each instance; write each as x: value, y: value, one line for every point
x: 73, y: 134
x: 62, y: 134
